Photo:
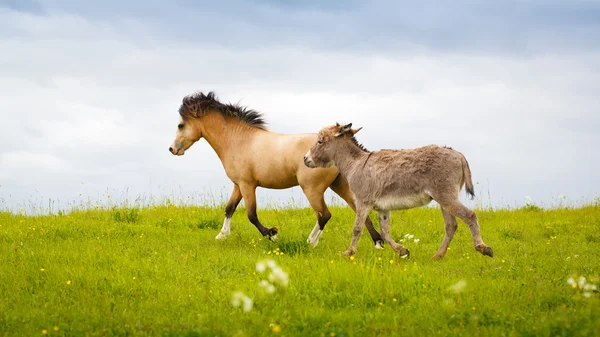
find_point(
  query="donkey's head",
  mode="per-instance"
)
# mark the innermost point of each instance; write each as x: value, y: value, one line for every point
x: 328, y: 141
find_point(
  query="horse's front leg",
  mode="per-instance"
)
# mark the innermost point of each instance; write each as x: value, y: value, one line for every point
x: 234, y: 200
x: 249, y: 195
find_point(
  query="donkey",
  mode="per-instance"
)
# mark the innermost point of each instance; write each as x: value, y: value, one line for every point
x: 389, y: 180
x: 254, y: 157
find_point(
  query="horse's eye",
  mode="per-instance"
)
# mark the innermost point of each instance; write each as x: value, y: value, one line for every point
x: 180, y: 126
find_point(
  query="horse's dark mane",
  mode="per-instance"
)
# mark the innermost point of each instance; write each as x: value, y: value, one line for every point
x: 197, y: 104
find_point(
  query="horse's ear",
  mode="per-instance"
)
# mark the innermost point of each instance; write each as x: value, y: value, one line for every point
x: 344, y: 129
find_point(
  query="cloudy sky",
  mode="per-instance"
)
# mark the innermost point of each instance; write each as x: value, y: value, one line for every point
x: 89, y: 92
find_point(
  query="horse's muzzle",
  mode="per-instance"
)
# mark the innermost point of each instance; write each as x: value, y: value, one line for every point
x: 308, y: 162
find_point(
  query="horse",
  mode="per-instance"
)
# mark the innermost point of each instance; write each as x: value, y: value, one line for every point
x: 390, y: 179
x: 253, y: 156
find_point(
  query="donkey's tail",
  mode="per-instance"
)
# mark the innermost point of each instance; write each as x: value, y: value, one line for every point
x: 467, y: 177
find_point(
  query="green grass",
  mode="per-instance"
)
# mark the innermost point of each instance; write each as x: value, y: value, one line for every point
x: 159, y: 271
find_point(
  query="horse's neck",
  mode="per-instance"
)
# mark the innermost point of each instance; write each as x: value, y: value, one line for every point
x: 228, y: 137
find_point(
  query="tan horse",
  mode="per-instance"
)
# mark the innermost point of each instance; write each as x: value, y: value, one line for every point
x: 254, y: 157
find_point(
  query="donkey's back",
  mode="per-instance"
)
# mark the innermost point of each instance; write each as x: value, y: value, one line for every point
x: 408, y: 178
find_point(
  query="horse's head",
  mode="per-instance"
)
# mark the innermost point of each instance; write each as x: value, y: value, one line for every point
x: 188, y: 132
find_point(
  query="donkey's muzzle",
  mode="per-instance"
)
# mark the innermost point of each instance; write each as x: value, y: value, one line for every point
x: 171, y: 149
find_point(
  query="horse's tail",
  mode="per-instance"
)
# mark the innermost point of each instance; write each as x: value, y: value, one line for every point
x: 467, y: 177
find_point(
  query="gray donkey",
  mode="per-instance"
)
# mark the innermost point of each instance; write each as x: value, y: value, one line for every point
x: 388, y: 180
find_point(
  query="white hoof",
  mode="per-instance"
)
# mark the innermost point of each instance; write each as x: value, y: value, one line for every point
x: 313, y: 238
x: 221, y: 236
x: 379, y: 245
x: 313, y: 243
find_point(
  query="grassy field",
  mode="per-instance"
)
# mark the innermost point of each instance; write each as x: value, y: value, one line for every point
x: 159, y: 271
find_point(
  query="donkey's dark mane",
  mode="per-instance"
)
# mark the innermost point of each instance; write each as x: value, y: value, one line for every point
x: 198, y: 104
x: 360, y: 146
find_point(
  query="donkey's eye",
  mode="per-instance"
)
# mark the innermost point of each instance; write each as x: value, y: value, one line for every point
x: 180, y: 126
x: 319, y: 142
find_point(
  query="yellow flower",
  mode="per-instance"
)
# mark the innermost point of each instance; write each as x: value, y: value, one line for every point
x: 380, y: 304
x: 21, y: 209
x: 351, y: 258
x: 42, y: 269
x: 473, y: 308
x: 55, y: 328
x: 69, y: 282
x: 44, y: 332
x: 395, y: 300
x: 391, y: 261
x: 276, y: 328
x: 379, y: 258
x: 332, y: 334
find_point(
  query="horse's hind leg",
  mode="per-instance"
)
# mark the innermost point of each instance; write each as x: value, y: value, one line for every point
x: 234, y: 200
x: 457, y: 209
x: 317, y: 202
x: 340, y: 187
x: 249, y: 195
x: 450, y: 226
x: 384, y: 224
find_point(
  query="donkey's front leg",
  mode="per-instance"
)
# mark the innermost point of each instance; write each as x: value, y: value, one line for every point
x: 384, y: 224
x: 249, y: 195
x: 362, y: 212
x: 234, y: 200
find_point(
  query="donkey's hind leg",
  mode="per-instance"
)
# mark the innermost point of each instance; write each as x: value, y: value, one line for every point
x: 340, y: 187
x: 384, y: 223
x: 317, y: 202
x: 249, y: 195
x: 457, y: 209
x: 450, y: 225
x: 234, y: 200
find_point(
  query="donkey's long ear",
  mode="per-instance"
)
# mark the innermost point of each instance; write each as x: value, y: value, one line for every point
x: 355, y: 130
x: 343, y: 129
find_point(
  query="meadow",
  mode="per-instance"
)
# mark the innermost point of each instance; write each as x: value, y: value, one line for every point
x: 158, y: 271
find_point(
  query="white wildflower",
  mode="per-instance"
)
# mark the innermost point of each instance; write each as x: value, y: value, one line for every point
x: 240, y: 298
x: 266, y: 286
x: 571, y: 282
x: 260, y: 267
x: 458, y: 286
x: 279, y: 276
x: 589, y: 287
x: 581, y: 281
x: 417, y: 240
x: 587, y: 295
x: 271, y: 264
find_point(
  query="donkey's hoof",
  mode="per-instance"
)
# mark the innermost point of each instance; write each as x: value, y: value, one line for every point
x: 437, y: 257
x: 379, y: 244
x: 349, y: 252
x: 404, y: 253
x: 487, y: 251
